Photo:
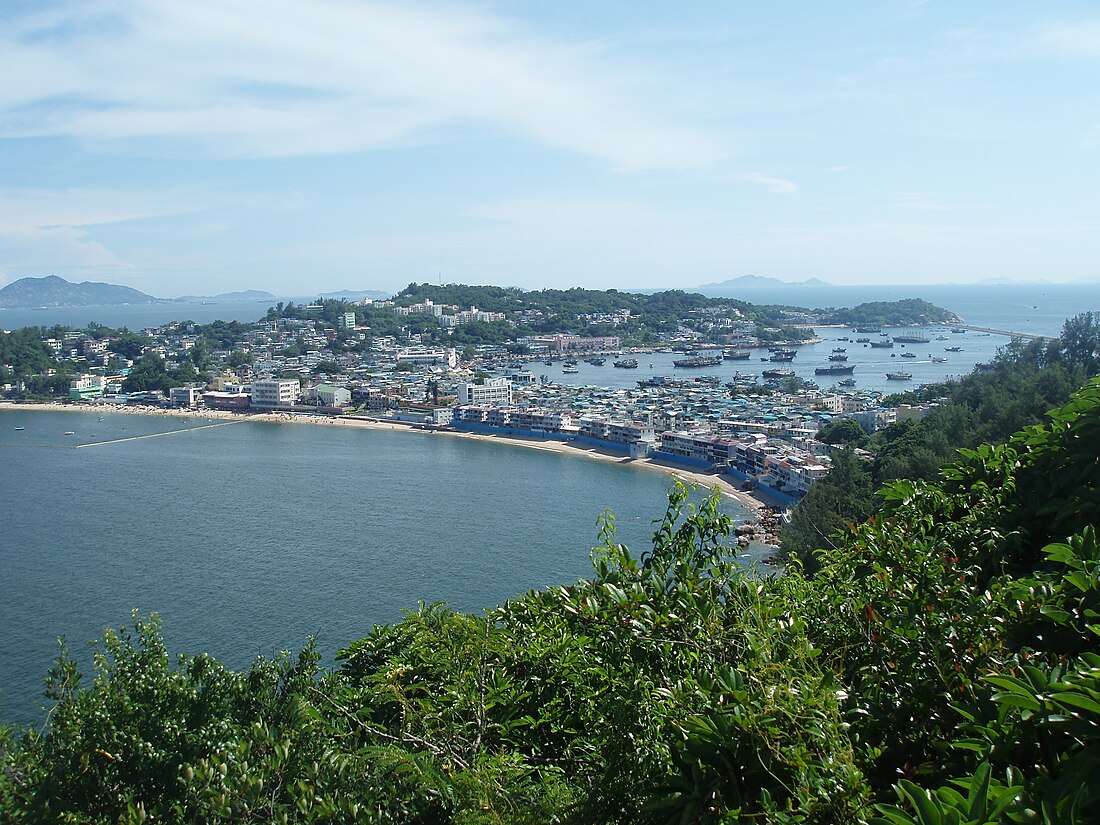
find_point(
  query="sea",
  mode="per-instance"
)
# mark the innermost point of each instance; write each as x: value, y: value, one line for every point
x: 246, y: 538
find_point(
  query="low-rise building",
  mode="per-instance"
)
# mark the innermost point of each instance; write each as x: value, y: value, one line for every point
x: 491, y: 391
x: 275, y: 392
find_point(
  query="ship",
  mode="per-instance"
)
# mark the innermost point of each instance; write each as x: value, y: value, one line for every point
x: 838, y: 357
x: 627, y: 363
x: 957, y: 329
x: 835, y: 369
x: 783, y: 355
x: 868, y: 329
x: 736, y: 354
x: 882, y: 344
x: 911, y: 338
x: 698, y: 361
x: 899, y: 376
x: 777, y: 373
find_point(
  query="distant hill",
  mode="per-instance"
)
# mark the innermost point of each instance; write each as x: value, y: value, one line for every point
x: 245, y: 295
x: 754, y: 282
x: 54, y: 291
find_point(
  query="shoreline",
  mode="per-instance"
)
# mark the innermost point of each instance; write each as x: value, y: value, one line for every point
x: 700, y: 479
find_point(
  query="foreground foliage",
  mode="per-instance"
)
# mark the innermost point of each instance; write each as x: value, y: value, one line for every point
x: 941, y: 667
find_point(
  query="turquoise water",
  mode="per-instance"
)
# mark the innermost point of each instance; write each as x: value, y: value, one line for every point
x: 249, y: 537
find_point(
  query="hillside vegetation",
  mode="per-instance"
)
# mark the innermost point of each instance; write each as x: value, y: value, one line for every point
x: 943, y: 666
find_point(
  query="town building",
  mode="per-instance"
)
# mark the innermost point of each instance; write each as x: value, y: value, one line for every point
x: 275, y: 392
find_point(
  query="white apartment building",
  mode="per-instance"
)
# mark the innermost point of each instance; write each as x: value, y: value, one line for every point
x: 275, y: 392
x: 493, y: 391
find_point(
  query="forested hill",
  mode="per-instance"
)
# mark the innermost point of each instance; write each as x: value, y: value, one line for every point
x: 54, y: 291
x: 942, y: 667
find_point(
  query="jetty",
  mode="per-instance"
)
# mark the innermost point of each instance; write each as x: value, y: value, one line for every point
x: 1009, y: 333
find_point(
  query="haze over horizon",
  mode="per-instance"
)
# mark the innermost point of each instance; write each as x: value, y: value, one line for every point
x: 215, y: 146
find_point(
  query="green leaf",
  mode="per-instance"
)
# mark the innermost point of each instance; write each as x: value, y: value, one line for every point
x: 927, y: 810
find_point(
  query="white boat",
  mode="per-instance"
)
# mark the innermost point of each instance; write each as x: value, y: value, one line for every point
x: 20, y: 429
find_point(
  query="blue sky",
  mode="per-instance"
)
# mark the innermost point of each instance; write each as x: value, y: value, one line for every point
x: 211, y: 145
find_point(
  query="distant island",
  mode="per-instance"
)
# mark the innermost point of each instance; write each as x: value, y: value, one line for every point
x: 55, y: 291
x: 245, y: 295
x: 754, y: 282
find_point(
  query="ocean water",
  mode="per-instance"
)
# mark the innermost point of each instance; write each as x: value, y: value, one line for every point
x: 246, y: 538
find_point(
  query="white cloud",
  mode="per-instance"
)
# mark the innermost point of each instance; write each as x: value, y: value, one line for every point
x: 55, y: 228
x: 248, y: 77
x: 777, y: 186
x: 1077, y: 39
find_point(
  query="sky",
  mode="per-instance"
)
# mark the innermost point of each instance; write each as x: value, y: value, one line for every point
x: 304, y: 145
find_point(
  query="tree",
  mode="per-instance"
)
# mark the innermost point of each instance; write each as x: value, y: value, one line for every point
x: 149, y: 374
x: 842, y: 431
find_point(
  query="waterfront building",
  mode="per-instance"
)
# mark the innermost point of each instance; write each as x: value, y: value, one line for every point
x: 275, y: 392
x: 328, y: 395
x: 492, y: 391
x: 221, y: 400
x: 86, y: 386
x: 186, y: 396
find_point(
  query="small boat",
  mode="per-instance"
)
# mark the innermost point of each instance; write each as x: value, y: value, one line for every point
x: 908, y: 355
x: 863, y: 340
x: 839, y: 349
x: 838, y: 357
x: 570, y: 370
x: 68, y: 432
x: 952, y: 349
x: 20, y: 429
x: 847, y: 382
x: 939, y: 359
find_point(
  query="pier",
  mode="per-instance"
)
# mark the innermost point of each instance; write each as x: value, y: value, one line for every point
x: 153, y: 435
x: 1026, y: 335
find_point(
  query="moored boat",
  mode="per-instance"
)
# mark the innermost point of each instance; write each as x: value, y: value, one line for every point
x: 899, y: 376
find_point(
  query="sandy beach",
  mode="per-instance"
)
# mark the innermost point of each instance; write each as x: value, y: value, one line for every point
x: 708, y: 481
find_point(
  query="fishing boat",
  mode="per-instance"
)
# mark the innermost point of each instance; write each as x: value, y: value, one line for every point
x: 838, y: 357
x: 847, y: 382
x: 626, y: 363
x: 952, y: 349
x: 839, y: 349
x: 698, y: 361
x: 863, y: 340
x: 777, y: 373
x: 908, y: 355
x: 835, y: 369
x: 733, y: 354
x: 882, y: 344
x: 570, y: 370
x: 911, y: 338
x: 899, y: 376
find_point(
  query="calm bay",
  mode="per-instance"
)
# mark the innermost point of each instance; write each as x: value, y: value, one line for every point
x: 246, y: 538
